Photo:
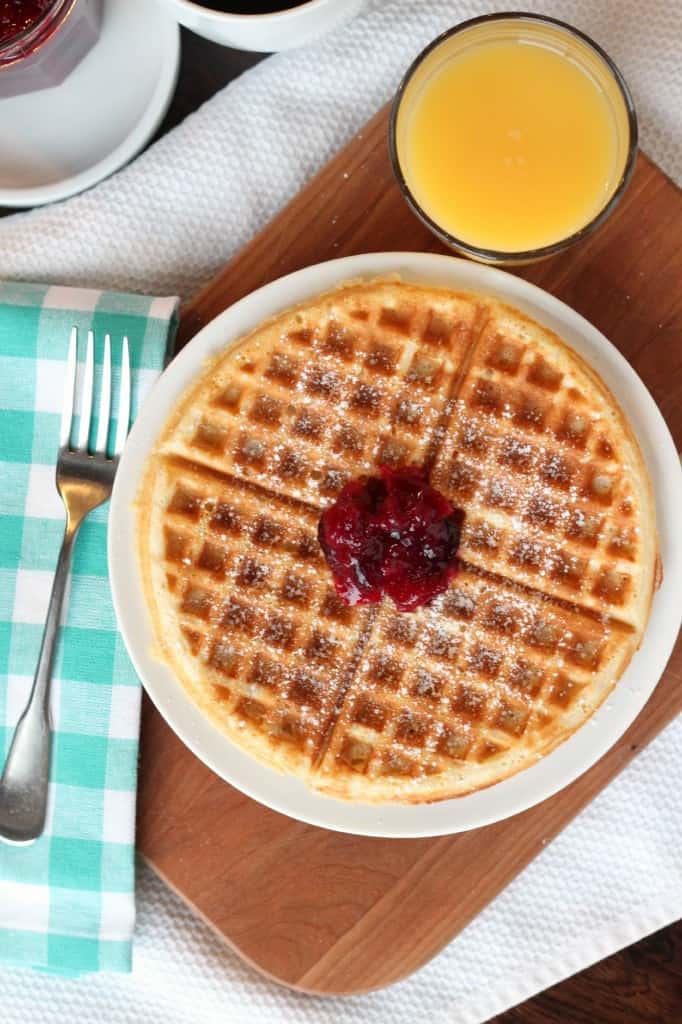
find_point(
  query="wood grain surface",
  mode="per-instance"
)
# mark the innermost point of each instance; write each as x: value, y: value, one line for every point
x: 331, y: 913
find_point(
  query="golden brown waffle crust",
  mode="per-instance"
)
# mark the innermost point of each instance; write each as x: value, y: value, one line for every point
x: 325, y: 735
x: 651, y: 558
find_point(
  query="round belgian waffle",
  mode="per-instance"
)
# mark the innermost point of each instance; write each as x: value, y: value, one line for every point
x: 557, y: 560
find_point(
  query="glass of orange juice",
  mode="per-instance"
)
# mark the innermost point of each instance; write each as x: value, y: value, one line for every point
x: 513, y: 136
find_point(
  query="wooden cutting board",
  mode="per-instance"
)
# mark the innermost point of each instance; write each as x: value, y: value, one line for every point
x: 331, y: 913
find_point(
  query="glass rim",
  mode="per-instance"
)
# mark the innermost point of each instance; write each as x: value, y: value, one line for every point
x: 511, y: 255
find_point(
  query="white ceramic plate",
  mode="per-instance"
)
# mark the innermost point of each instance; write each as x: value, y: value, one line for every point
x: 57, y: 142
x: 287, y: 794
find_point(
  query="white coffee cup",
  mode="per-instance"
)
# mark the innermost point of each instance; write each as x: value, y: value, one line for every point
x: 266, y: 33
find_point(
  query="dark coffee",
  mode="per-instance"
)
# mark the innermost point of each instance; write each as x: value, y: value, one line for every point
x: 250, y: 6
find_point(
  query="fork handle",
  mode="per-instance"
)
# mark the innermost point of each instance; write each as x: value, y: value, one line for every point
x: 23, y: 787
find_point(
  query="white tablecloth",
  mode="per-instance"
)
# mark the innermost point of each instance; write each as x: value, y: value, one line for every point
x: 166, y: 224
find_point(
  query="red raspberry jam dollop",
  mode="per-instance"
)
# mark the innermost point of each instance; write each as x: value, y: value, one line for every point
x: 394, y: 535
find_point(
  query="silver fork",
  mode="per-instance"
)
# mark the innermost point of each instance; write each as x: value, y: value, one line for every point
x: 84, y: 481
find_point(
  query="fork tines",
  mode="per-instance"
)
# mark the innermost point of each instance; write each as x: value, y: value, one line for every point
x: 123, y: 417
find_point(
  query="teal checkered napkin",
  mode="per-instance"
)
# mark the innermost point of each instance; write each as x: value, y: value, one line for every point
x: 67, y: 902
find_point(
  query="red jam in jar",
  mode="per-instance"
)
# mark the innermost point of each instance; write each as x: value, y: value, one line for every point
x: 18, y: 16
x: 394, y: 535
x: 42, y: 41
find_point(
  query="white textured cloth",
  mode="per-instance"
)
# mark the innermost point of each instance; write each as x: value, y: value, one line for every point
x: 166, y: 224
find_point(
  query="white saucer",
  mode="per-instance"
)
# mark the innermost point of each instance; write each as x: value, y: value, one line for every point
x: 59, y: 141
x: 285, y: 793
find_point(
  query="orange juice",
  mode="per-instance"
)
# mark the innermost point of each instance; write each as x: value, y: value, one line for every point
x: 511, y: 144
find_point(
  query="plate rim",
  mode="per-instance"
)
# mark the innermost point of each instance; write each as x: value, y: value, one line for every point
x: 143, y: 129
x: 287, y: 794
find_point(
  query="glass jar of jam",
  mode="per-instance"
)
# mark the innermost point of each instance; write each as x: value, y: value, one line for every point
x: 42, y: 41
